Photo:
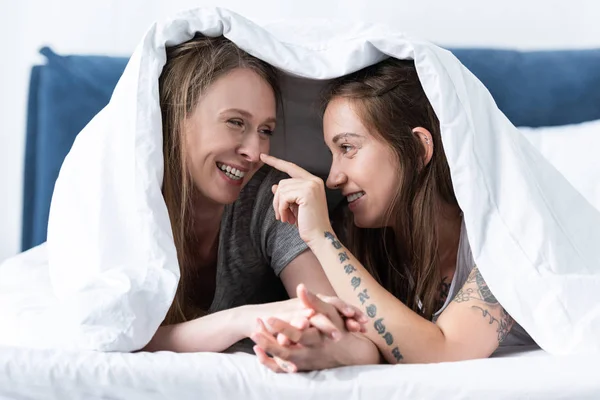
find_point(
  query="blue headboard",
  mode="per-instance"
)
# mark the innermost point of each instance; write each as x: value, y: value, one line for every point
x: 542, y: 88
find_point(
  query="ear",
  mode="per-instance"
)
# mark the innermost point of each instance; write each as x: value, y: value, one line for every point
x: 426, y: 140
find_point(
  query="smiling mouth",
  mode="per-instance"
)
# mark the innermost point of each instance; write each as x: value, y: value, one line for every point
x: 354, y: 196
x: 231, y: 172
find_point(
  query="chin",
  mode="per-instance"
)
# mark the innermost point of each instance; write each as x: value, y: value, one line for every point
x: 368, y: 223
x: 223, y: 198
x: 362, y: 223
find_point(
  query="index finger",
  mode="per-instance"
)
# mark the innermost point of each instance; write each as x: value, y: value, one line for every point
x: 285, y: 166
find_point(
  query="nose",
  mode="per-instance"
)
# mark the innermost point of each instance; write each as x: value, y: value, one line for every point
x: 336, y: 178
x: 250, y: 148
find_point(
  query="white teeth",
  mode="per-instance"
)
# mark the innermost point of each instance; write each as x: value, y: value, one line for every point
x: 231, y: 172
x: 354, y: 196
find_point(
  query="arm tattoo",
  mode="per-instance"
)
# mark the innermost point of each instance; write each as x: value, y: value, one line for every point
x: 389, y: 339
x: 371, y: 311
x: 387, y: 336
x: 349, y: 268
x: 379, y: 326
x: 482, y: 293
x: 363, y: 296
x: 484, y: 289
x: 397, y: 355
x: 505, y: 322
x: 343, y: 257
x: 333, y: 240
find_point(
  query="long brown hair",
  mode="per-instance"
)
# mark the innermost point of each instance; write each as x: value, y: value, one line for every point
x: 389, y: 99
x: 190, y: 69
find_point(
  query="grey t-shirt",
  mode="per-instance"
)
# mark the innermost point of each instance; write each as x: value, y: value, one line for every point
x: 254, y: 248
x: 464, y: 265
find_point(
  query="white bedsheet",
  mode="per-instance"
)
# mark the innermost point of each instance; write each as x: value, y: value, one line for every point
x: 51, y: 374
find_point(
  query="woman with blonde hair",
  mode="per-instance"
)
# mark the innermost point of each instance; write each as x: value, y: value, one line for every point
x: 237, y: 262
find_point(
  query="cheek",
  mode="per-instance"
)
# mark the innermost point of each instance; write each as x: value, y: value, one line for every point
x: 265, y: 146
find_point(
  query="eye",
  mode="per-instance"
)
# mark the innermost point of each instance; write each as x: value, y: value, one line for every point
x: 346, y: 148
x: 266, y: 131
x: 238, y: 123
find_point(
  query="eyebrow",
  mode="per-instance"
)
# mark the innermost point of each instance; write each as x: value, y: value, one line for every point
x: 344, y: 135
x: 247, y: 115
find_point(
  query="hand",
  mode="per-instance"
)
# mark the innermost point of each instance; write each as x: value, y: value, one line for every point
x: 307, y: 306
x: 300, y: 200
x: 312, y: 350
x: 307, y: 344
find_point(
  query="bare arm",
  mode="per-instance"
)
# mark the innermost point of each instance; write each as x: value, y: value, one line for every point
x: 214, y: 332
x: 217, y: 332
x: 306, y: 269
x: 471, y: 327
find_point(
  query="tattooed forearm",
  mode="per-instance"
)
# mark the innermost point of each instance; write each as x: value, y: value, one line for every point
x: 371, y: 310
x: 349, y: 268
x: 343, y: 257
x: 333, y: 240
x: 505, y: 323
x: 363, y: 297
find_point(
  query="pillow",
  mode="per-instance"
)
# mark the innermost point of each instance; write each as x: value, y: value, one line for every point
x: 571, y: 149
x: 539, y: 88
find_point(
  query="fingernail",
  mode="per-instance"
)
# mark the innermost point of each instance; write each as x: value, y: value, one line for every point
x: 285, y: 366
x: 336, y: 335
x: 348, y: 310
x: 271, y: 321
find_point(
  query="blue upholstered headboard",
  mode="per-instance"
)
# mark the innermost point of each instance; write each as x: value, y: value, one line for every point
x: 532, y: 88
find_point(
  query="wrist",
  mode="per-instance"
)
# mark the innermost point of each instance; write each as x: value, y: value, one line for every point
x: 364, y: 351
x: 244, y: 319
x: 324, y: 236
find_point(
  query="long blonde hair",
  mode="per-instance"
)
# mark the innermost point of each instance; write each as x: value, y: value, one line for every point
x: 390, y: 100
x: 190, y: 69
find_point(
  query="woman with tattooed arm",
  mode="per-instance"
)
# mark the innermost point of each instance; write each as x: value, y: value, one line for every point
x: 404, y: 256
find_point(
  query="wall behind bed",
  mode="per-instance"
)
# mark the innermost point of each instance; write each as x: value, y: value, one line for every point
x: 114, y: 27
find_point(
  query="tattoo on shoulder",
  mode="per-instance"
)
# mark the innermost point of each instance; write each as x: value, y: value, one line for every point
x: 484, y: 289
x: 476, y: 288
x: 480, y: 292
x: 504, y: 324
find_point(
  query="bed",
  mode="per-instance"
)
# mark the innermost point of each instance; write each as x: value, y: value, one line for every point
x: 534, y: 89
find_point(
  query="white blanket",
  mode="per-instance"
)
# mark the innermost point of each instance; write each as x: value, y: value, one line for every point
x: 66, y: 374
x: 112, y: 262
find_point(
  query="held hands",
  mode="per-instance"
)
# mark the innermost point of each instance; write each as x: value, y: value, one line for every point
x: 300, y: 200
x: 317, y: 341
